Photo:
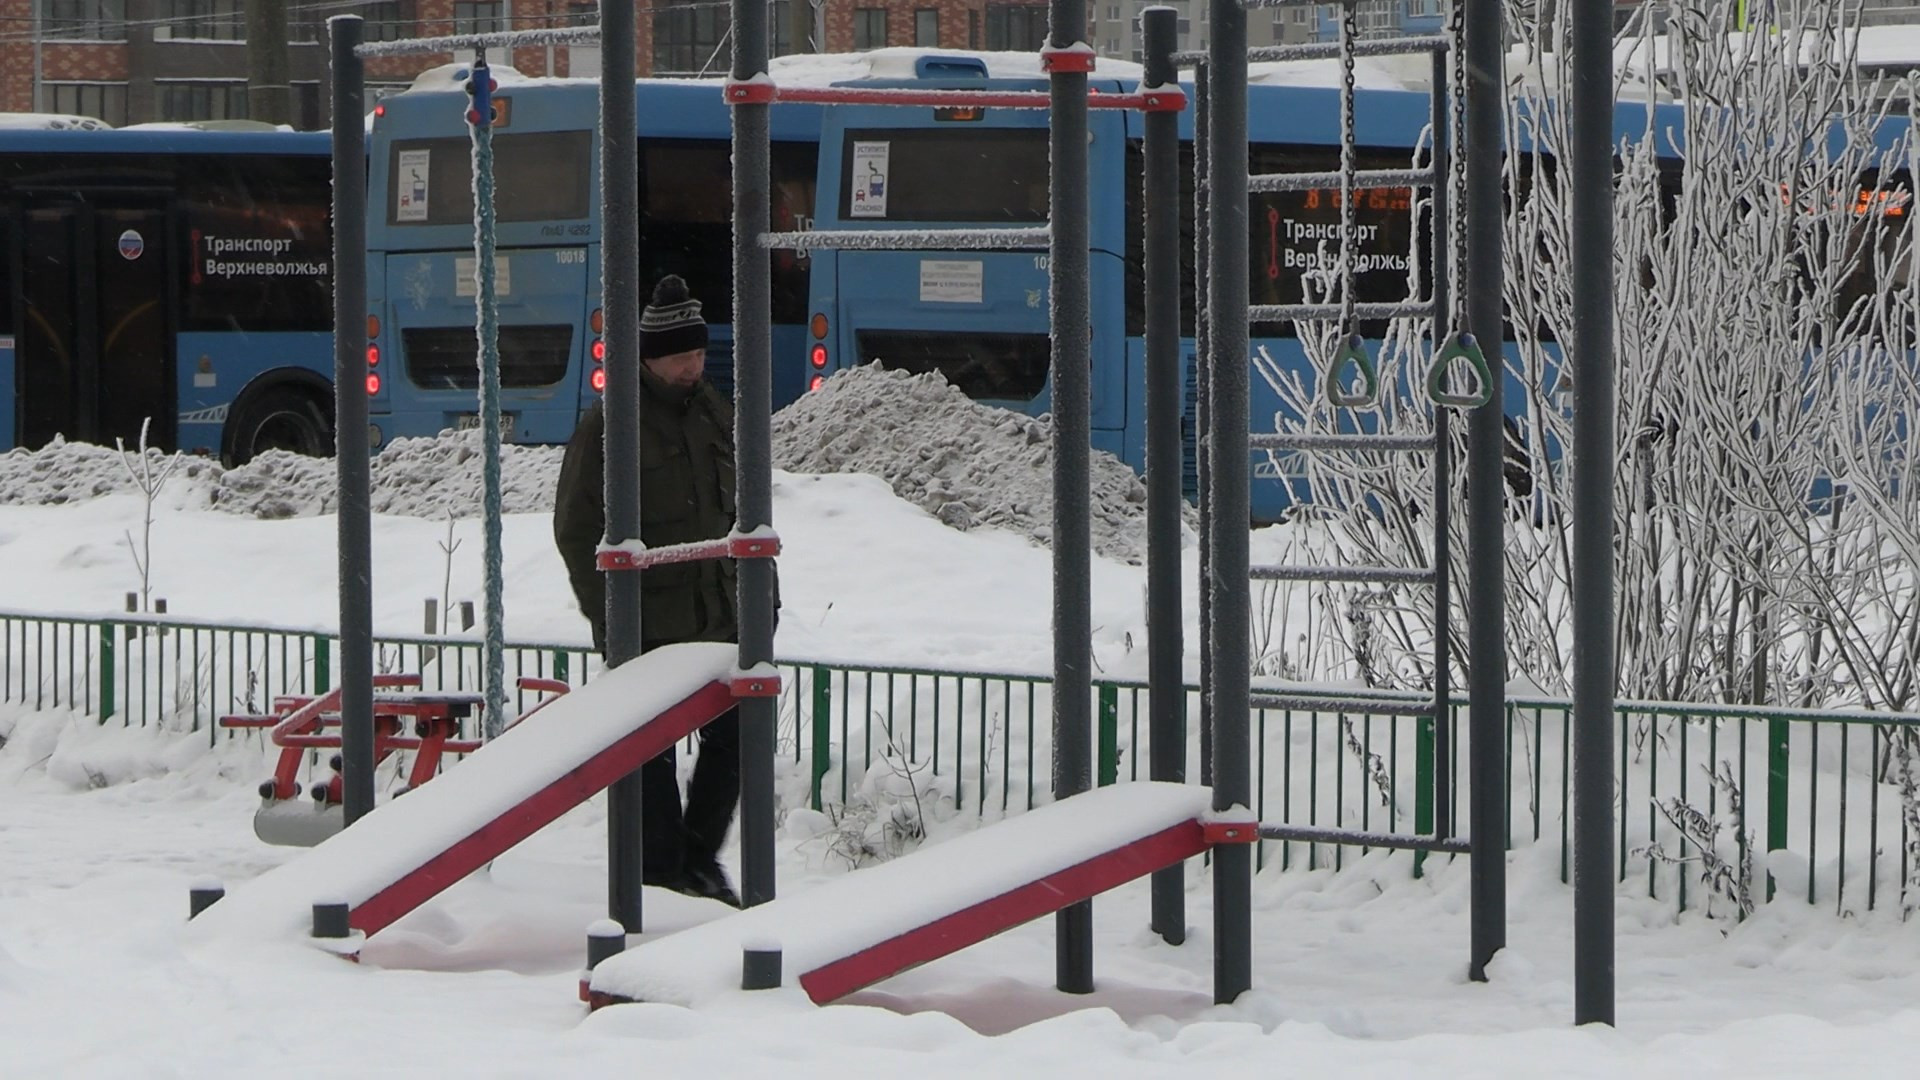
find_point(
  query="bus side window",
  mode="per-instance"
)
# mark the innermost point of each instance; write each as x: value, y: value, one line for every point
x: 7, y: 255
x: 686, y: 219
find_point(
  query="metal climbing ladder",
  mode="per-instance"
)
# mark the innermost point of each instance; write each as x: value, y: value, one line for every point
x: 1458, y: 379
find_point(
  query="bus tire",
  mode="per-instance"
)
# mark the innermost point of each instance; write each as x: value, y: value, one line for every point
x: 281, y: 417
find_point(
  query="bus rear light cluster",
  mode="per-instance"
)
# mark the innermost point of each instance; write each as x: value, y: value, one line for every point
x: 597, y: 378
x: 817, y: 356
x: 373, y: 354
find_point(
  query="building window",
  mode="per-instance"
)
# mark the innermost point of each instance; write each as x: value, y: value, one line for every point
x: 780, y: 13
x: 201, y: 20
x: 477, y: 17
x: 223, y: 100
x: 384, y: 22
x: 869, y: 28
x: 1016, y: 27
x: 689, y: 39
x: 87, y: 20
x: 926, y: 27
x: 582, y: 13
x: 102, y: 101
x: 973, y: 29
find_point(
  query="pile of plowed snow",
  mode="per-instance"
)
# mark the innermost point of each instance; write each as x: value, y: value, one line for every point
x: 968, y: 464
x: 428, y: 477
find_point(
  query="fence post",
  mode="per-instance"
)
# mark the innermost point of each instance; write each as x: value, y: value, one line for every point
x: 1109, y: 734
x: 1424, y: 794
x: 560, y: 665
x: 822, y: 728
x: 322, y: 664
x: 106, y: 670
x: 1777, y: 761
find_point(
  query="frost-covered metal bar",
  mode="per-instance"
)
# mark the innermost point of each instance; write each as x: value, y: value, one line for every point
x: 1383, y: 705
x: 1442, y: 108
x: 1269, y: 183
x: 503, y: 39
x: 1406, y: 309
x: 1228, y: 383
x: 1036, y: 238
x: 1169, y: 99
x: 753, y: 448
x: 353, y: 463
x: 1593, y: 533
x: 620, y: 302
x: 1484, y: 49
x: 1398, y: 841
x: 1167, y: 696
x: 1324, y: 50
x: 1382, y: 575
x: 1303, y: 440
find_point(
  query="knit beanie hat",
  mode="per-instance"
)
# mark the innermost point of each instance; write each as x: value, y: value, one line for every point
x: 671, y: 323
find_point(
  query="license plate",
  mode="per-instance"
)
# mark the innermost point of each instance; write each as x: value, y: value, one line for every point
x: 470, y: 421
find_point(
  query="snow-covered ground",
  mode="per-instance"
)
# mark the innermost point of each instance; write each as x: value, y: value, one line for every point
x: 1360, y: 973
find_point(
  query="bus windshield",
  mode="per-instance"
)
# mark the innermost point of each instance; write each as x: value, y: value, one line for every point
x: 896, y: 174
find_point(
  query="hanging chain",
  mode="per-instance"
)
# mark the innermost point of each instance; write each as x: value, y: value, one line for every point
x: 1347, y: 140
x: 1456, y: 178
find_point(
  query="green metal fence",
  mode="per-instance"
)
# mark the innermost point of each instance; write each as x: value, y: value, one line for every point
x: 1812, y: 799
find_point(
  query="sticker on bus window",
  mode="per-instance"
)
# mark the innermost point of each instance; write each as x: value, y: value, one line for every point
x: 951, y: 281
x: 868, y: 184
x: 410, y: 186
x: 6, y: 342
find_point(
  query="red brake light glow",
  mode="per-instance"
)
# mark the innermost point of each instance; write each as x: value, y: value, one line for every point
x: 599, y: 380
x: 816, y: 381
x: 819, y: 356
x: 373, y: 385
x: 599, y: 352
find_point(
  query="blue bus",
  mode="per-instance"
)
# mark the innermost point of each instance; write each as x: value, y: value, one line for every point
x: 172, y: 277
x: 981, y: 318
x: 420, y: 262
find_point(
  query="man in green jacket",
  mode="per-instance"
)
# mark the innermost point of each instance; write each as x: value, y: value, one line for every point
x: 686, y: 494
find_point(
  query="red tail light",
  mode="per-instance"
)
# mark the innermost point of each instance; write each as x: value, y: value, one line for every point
x: 817, y: 382
x: 599, y: 380
x: 373, y: 385
x: 373, y: 356
x: 599, y: 351
x: 818, y: 356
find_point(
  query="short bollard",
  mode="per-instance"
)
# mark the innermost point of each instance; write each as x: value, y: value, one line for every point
x: 202, y: 895
x: 605, y: 938
x: 760, y: 968
x: 330, y: 921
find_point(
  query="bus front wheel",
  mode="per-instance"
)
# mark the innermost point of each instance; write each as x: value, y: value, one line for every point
x: 279, y: 418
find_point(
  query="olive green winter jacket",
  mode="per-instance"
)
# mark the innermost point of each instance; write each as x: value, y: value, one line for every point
x: 686, y: 494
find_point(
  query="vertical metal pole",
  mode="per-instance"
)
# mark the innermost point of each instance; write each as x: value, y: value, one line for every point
x: 1167, y: 694
x: 487, y: 331
x: 1486, y: 598
x: 1203, y: 408
x: 355, y: 527
x: 1593, y: 536
x: 620, y: 301
x: 1443, y: 209
x: 1072, y: 454
x: 753, y: 441
x: 1228, y: 506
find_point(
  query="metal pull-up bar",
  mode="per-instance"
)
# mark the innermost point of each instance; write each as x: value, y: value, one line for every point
x: 1165, y: 99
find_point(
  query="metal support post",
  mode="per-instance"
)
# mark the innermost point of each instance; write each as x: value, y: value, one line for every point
x: 620, y: 303
x: 1072, y: 456
x: 1442, y: 721
x: 351, y: 456
x: 1227, y: 417
x: 1593, y: 536
x: 753, y: 443
x: 1486, y: 505
x: 1203, y: 402
x: 1167, y: 694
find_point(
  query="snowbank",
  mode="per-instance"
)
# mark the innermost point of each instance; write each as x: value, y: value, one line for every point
x: 968, y: 464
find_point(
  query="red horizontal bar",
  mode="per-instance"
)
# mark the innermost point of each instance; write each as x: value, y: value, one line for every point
x: 727, y: 547
x: 1230, y: 832
x: 755, y: 686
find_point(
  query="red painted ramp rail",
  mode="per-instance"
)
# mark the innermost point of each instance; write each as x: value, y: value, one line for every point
x: 410, y: 848
x: 857, y: 929
x: 541, y: 809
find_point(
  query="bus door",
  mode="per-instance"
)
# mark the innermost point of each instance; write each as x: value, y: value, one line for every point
x: 543, y: 338
x: 9, y: 324
x: 92, y: 351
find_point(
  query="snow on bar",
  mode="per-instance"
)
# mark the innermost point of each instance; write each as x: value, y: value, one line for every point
x: 911, y: 239
x: 528, y: 761
x: 874, y: 922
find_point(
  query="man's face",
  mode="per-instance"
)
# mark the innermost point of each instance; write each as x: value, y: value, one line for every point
x: 679, y: 369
